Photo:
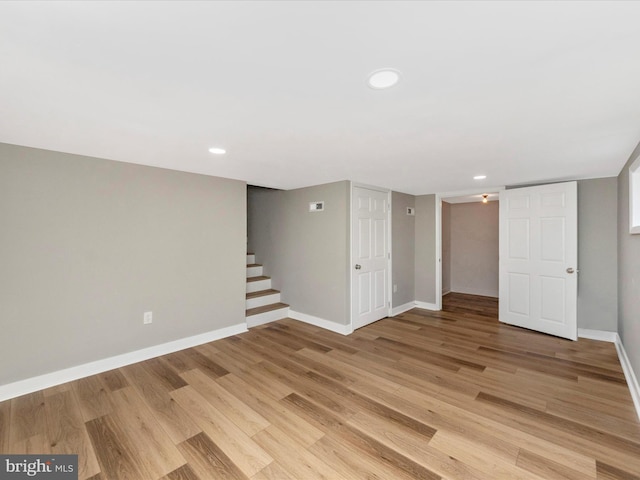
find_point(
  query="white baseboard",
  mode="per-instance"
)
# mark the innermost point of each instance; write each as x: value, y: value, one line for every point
x: 321, y: 322
x: 446, y: 292
x: 629, y: 374
x: 426, y: 306
x: 29, y: 385
x: 597, y: 335
x: 402, y: 308
x: 473, y: 291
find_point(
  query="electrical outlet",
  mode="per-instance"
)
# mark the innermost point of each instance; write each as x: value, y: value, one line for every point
x: 395, y: 288
x: 148, y: 318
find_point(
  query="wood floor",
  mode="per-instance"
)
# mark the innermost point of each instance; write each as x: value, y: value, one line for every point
x: 424, y: 395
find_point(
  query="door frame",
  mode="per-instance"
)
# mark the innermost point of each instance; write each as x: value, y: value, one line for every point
x: 350, y: 269
x: 438, y: 260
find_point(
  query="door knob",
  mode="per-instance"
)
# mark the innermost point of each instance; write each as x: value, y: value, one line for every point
x: 358, y: 267
x: 570, y: 270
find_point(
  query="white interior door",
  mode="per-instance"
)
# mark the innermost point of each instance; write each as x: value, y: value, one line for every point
x: 370, y: 255
x: 538, y: 258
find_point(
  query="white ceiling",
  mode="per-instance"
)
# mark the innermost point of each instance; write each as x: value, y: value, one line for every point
x: 520, y: 91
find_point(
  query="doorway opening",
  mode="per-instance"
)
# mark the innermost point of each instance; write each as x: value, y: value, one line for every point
x: 467, y: 236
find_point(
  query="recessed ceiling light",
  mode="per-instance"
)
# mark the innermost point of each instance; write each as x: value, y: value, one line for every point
x: 383, y: 78
x: 217, y: 150
x: 479, y: 177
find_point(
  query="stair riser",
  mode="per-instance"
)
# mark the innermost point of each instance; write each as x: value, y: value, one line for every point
x: 264, y: 300
x: 251, y: 259
x: 254, y: 271
x: 259, y: 285
x: 267, y: 317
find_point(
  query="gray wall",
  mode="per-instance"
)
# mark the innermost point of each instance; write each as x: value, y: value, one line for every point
x: 597, y: 254
x: 88, y: 245
x: 446, y: 247
x: 403, y: 231
x: 474, y: 248
x: 264, y: 223
x: 305, y: 253
x: 628, y: 272
x: 426, y: 248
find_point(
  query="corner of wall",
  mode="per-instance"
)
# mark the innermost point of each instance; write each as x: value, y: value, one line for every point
x: 629, y: 374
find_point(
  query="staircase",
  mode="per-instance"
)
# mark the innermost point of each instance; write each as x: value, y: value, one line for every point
x: 263, y: 303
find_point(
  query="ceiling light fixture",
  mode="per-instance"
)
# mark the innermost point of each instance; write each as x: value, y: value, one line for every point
x: 479, y: 177
x: 383, y: 78
x: 217, y: 150
x: 485, y: 197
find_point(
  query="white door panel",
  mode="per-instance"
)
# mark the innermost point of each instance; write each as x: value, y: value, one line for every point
x: 364, y: 287
x: 518, y: 294
x: 370, y: 255
x: 538, y: 250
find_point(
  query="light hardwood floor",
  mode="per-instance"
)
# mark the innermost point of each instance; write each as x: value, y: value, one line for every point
x: 424, y: 395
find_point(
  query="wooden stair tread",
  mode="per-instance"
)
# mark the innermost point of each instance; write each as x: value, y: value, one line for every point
x: 262, y: 293
x: 266, y: 308
x: 257, y: 279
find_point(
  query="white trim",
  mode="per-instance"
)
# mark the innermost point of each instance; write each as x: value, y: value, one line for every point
x: 321, y: 322
x: 480, y: 293
x: 47, y: 380
x: 402, y: 308
x: 427, y: 306
x: 438, y: 272
x: 351, y: 262
x: 370, y: 187
x: 390, y: 254
x: 597, y: 335
x: 634, y: 197
x: 447, y: 292
x: 472, y: 191
x: 629, y: 375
